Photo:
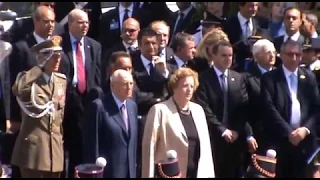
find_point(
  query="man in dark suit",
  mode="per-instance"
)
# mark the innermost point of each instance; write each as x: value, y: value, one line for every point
x: 129, y: 43
x: 264, y: 54
x: 182, y: 19
x: 240, y: 27
x: 223, y: 96
x: 290, y: 102
x: 184, y: 49
x: 157, y: 11
x: 81, y: 65
x: 25, y: 26
x: 292, y: 21
x: 111, y: 23
x: 93, y: 9
x: 111, y: 129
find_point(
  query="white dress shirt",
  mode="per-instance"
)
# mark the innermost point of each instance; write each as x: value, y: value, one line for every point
x: 243, y: 21
x: 295, y: 119
x: 74, y: 57
x: 294, y: 37
x: 127, y: 46
x: 38, y: 38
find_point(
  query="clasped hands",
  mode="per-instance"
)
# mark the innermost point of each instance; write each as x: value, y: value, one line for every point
x: 296, y: 136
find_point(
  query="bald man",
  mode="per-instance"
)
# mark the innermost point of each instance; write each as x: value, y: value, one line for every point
x: 129, y: 43
x: 111, y: 128
x: 22, y: 28
x: 163, y: 29
x: 81, y: 65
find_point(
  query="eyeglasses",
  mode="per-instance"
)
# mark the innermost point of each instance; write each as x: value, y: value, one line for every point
x: 129, y: 30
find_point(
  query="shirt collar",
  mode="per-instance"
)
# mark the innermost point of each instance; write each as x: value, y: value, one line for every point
x: 117, y: 100
x: 242, y: 19
x: 294, y: 37
x: 47, y: 78
x: 134, y: 45
x: 179, y: 61
x: 73, y: 39
x: 145, y: 61
x: 287, y: 73
x: 122, y: 9
x: 263, y: 70
x: 38, y: 38
x: 220, y: 72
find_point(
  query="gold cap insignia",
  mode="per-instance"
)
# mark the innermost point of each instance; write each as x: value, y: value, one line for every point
x: 52, y: 44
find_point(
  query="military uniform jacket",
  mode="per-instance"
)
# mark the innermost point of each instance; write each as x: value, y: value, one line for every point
x: 39, y: 145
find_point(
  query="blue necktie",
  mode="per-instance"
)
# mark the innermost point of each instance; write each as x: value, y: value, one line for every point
x: 295, y: 106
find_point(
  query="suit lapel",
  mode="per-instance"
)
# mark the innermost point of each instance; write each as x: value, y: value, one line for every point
x: 216, y: 86
x: 68, y: 48
x: 115, y: 113
x: 283, y: 82
x: 301, y: 85
x: 87, y: 56
x: 131, y: 123
x: 175, y: 119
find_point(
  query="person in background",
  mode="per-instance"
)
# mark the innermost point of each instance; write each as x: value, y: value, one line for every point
x: 309, y: 25
x: 178, y: 124
x: 276, y: 26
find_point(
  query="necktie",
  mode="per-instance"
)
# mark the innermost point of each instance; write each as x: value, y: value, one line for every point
x: 179, y: 24
x: 224, y: 87
x: 80, y: 69
x: 126, y: 15
x: 124, y: 115
x: 248, y: 31
x: 151, y: 70
x: 295, y: 106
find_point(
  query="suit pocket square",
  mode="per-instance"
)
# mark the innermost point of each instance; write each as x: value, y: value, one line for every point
x: 114, y: 25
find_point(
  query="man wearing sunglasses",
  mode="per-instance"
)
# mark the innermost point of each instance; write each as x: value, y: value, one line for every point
x: 40, y: 93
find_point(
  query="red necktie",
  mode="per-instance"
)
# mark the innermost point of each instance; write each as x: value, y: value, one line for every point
x: 80, y: 69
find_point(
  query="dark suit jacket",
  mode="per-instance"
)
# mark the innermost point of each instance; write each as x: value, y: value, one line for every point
x: 210, y: 96
x: 174, y: 66
x: 76, y: 102
x: 23, y: 27
x: 187, y: 21
x: 105, y: 136
x: 147, y: 85
x: 21, y: 59
x: 110, y: 26
x: 156, y: 11
x: 252, y: 78
x: 233, y: 29
x: 92, y: 8
x: 279, y: 40
x: 276, y: 103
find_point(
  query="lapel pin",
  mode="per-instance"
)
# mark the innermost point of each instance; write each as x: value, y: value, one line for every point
x: 302, y: 76
x: 232, y: 79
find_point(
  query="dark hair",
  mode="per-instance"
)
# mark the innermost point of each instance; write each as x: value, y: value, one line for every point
x: 220, y: 43
x: 115, y: 56
x: 290, y: 42
x: 146, y: 32
x: 180, y: 40
x: 292, y: 8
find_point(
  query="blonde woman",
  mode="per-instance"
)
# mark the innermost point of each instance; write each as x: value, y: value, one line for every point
x: 202, y: 58
x: 178, y: 124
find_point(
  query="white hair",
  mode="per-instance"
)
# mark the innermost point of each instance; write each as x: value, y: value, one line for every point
x: 120, y: 74
x: 260, y: 44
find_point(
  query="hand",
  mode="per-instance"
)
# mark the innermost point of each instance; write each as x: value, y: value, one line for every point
x: 297, y: 136
x: 12, y: 126
x: 252, y: 145
x: 160, y: 64
x: 235, y: 135
x: 227, y: 135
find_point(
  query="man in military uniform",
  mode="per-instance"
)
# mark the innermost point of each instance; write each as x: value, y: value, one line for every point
x: 40, y: 93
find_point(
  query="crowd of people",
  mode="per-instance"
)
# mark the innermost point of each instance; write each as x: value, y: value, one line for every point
x: 139, y: 80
